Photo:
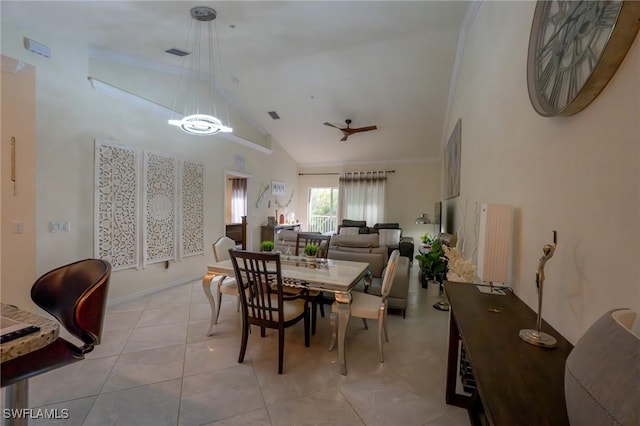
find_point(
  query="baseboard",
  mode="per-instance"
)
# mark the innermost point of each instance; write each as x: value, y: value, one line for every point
x: 154, y: 290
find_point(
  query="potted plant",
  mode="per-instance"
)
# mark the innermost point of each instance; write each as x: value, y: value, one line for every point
x: 267, y: 246
x: 427, y: 239
x: 311, y: 250
x: 433, y: 264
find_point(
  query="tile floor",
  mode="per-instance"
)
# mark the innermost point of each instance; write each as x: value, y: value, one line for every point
x: 156, y: 367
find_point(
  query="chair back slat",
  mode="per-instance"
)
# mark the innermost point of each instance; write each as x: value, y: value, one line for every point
x: 76, y: 296
x: 322, y: 241
x: 389, y: 274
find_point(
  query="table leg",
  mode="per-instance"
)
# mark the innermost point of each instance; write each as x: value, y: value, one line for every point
x: 344, y: 312
x: 206, y: 286
x: 17, y: 397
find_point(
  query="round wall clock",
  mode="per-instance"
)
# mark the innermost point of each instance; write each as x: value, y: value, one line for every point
x: 575, y: 47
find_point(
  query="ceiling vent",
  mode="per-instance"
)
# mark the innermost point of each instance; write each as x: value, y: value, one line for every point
x: 177, y: 52
x: 274, y: 115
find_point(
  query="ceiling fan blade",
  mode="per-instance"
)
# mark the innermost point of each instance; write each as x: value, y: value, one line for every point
x: 330, y: 125
x: 363, y: 129
x: 344, y: 138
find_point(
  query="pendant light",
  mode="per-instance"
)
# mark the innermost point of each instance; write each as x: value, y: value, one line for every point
x: 199, y: 105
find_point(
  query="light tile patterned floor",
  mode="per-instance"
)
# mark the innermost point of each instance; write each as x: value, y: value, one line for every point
x: 156, y: 366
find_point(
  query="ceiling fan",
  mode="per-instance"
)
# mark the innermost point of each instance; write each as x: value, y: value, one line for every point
x: 348, y: 131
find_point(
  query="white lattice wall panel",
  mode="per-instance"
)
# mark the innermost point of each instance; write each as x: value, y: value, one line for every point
x: 192, y: 209
x: 116, y: 204
x: 160, y: 208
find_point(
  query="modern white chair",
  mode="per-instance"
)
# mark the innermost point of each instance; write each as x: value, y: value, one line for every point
x: 370, y: 306
x: 226, y: 285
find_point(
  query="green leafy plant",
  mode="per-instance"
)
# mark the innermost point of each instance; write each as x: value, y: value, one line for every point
x: 434, y: 263
x: 267, y: 246
x: 427, y: 238
x: 310, y: 249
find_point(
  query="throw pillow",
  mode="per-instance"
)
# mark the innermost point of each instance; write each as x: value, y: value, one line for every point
x: 389, y: 237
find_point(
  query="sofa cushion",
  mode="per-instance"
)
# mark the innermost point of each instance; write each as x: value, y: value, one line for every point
x: 389, y: 237
x: 349, y: 230
x: 287, y: 235
x: 360, y: 240
x: 390, y: 225
x: 356, y: 223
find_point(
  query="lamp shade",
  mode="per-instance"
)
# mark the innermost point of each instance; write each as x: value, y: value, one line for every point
x: 494, y: 242
x: 424, y: 219
x: 602, y: 374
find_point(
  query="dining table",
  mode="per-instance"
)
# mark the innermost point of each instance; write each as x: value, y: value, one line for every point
x: 17, y: 394
x: 327, y: 275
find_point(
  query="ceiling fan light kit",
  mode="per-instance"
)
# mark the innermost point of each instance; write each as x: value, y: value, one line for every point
x: 198, y: 122
x: 348, y: 131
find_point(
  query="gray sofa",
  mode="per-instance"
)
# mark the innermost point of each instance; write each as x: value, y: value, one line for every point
x: 360, y: 248
x: 402, y: 243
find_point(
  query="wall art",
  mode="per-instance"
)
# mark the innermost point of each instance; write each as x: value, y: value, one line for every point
x: 452, y: 163
x: 116, y: 198
x: 159, y: 208
x: 277, y: 187
x: 191, y: 209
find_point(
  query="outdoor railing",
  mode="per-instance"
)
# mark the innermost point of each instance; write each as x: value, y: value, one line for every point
x: 323, y: 224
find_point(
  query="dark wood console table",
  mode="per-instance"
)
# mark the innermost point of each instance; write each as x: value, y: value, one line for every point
x: 517, y: 383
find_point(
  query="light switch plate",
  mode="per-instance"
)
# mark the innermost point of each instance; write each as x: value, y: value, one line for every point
x: 17, y: 227
x: 59, y: 226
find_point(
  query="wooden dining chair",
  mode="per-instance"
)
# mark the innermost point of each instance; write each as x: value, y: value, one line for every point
x: 76, y: 295
x: 316, y: 297
x: 263, y: 302
x: 370, y: 306
x: 226, y: 285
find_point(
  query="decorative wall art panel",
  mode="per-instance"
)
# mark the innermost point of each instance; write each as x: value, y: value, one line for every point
x: 192, y: 209
x: 116, y: 197
x: 278, y: 187
x: 159, y: 208
x: 452, y: 162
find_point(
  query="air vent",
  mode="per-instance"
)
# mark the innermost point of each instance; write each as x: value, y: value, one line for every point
x: 274, y: 115
x: 177, y: 52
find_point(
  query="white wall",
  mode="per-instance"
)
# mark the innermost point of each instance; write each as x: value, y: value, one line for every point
x: 18, y: 254
x: 578, y: 175
x: 69, y: 115
x: 412, y: 190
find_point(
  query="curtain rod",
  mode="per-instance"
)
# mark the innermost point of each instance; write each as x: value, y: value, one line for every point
x: 336, y: 173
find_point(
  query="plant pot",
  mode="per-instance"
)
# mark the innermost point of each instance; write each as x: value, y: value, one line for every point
x: 433, y: 289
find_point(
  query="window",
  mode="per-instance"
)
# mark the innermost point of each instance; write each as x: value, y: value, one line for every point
x: 238, y: 199
x: 323, y: 208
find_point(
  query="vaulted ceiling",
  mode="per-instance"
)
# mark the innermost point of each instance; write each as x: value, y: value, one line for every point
x: 383, y: 63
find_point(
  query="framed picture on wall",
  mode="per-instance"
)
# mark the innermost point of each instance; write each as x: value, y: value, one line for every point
x: 277, y: 187
x: 452, y: 162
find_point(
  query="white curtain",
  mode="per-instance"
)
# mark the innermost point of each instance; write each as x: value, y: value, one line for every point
x: 362, y: 196
x: 238, y: 199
